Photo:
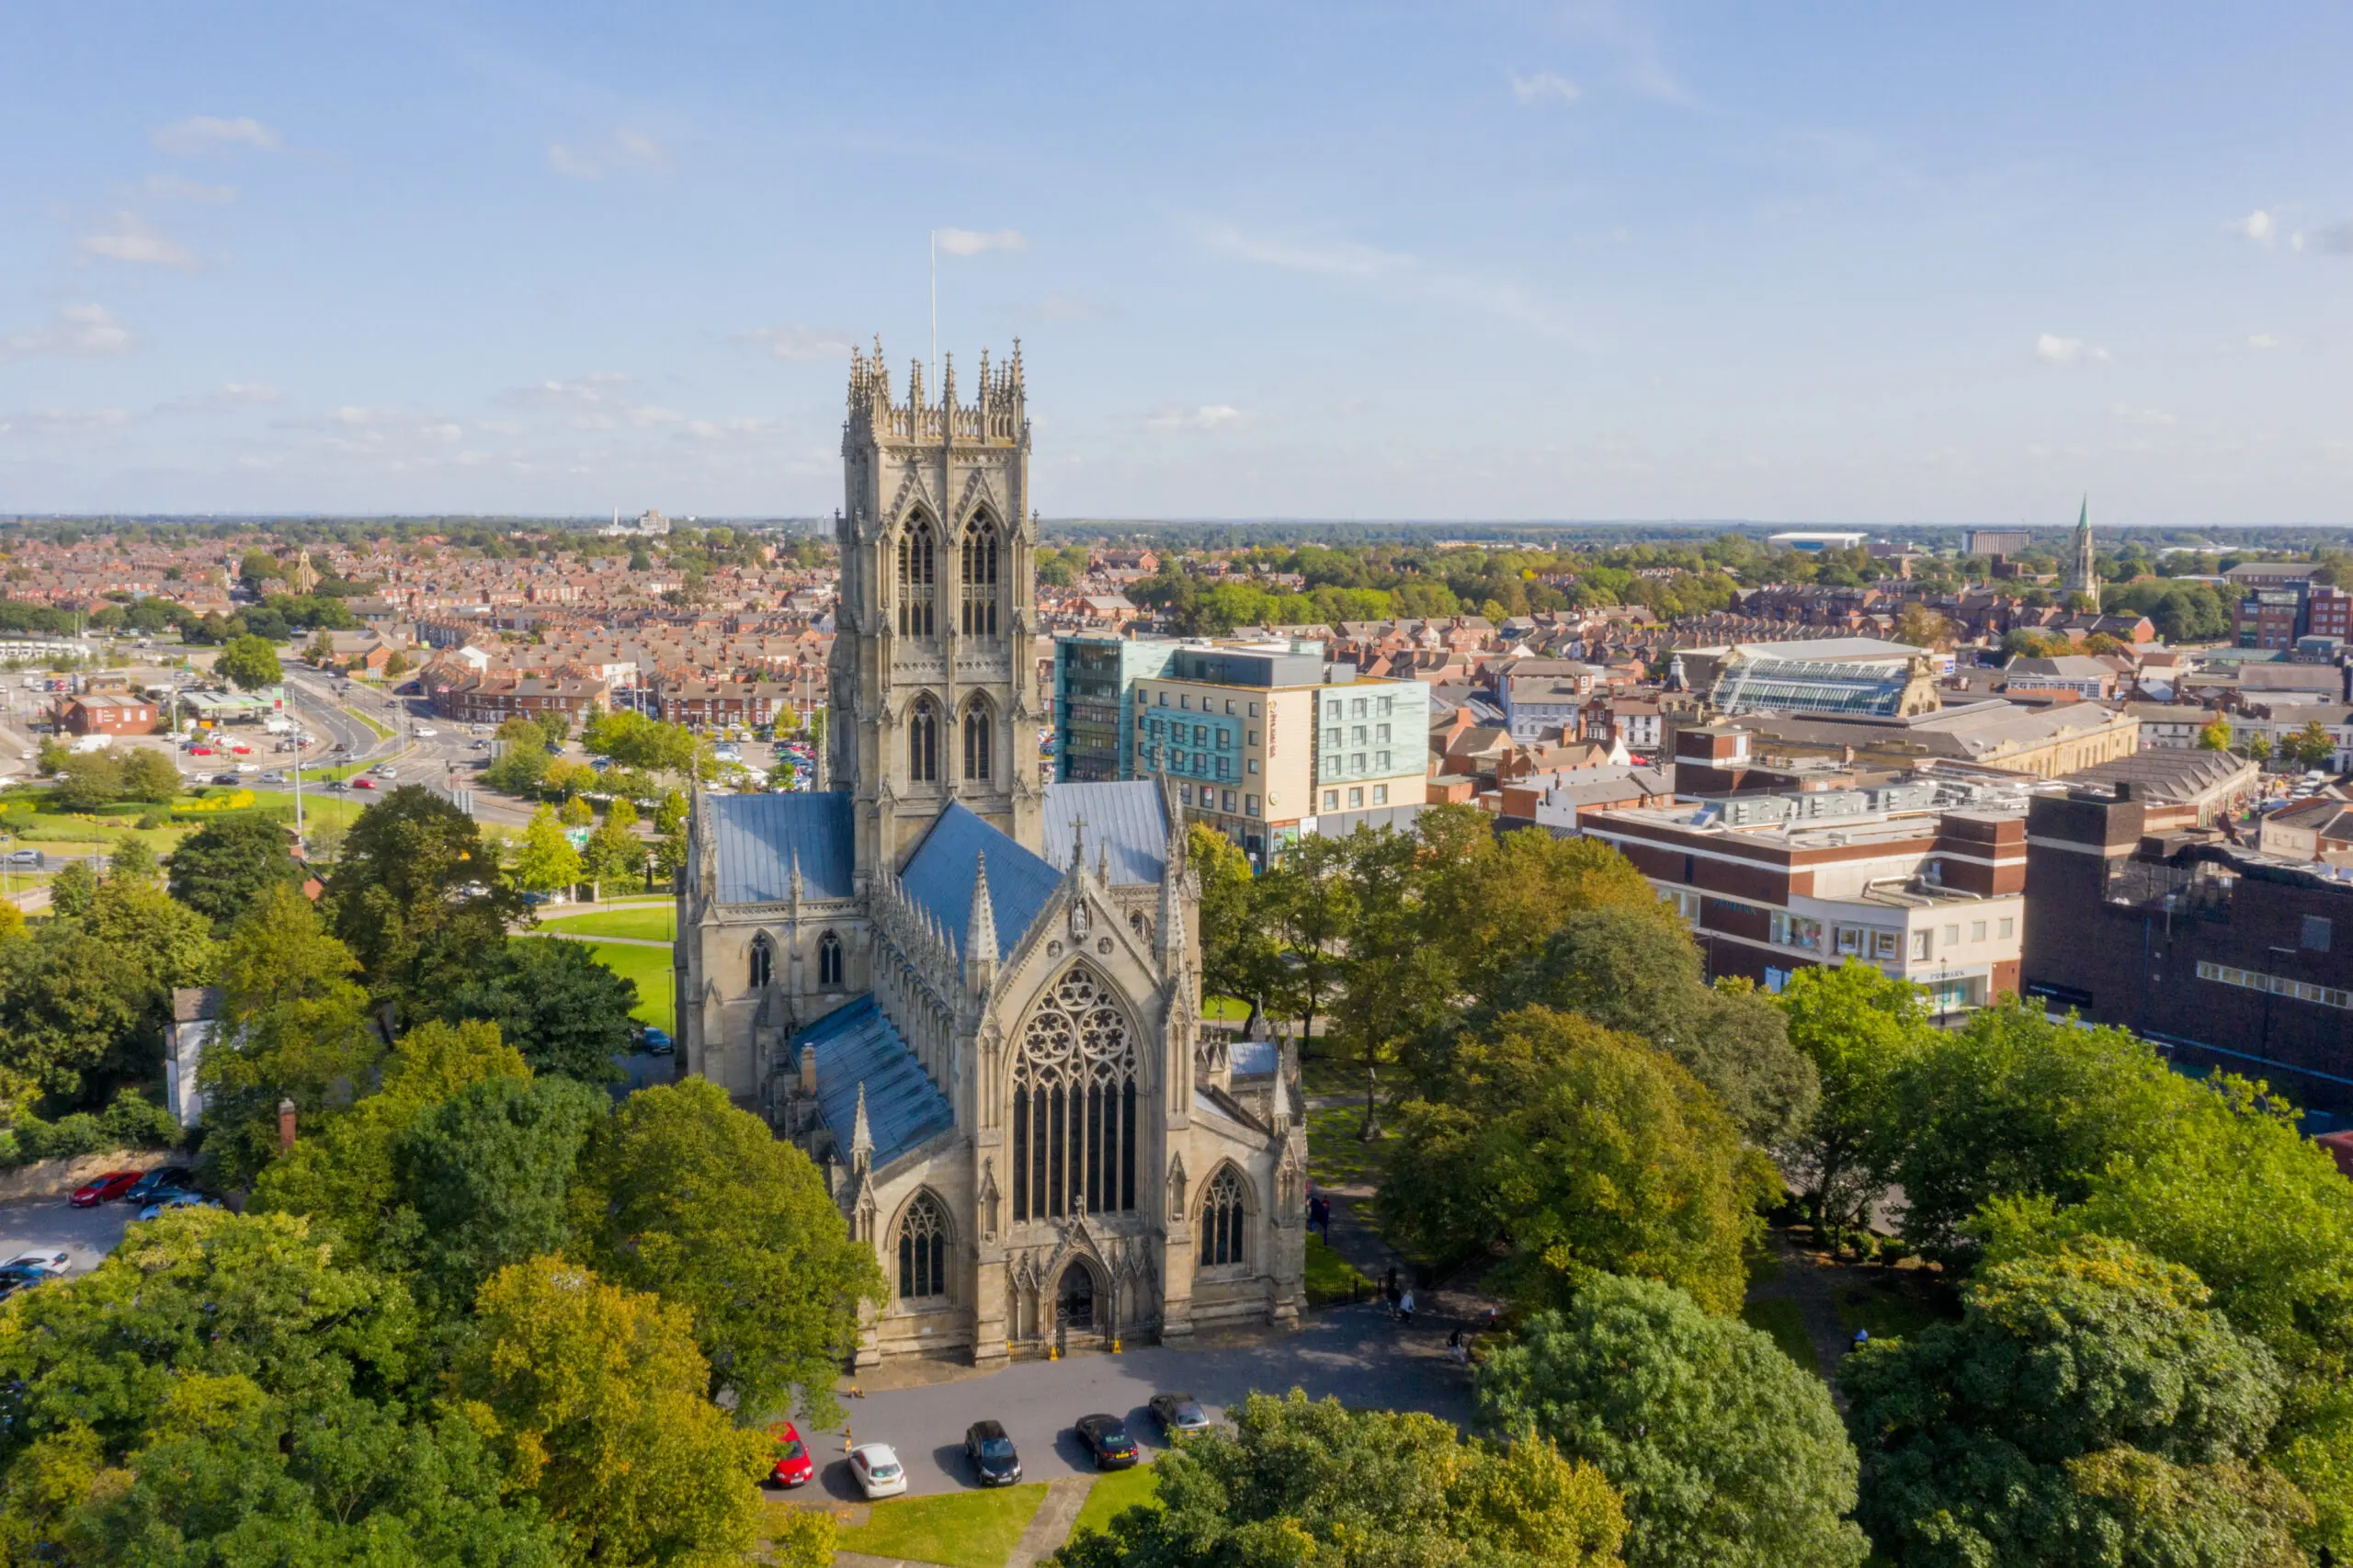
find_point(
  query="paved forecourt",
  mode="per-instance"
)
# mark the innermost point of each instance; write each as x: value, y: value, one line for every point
x: 1354, y: 1353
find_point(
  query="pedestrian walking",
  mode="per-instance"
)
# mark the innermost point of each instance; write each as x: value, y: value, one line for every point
x: 1406, y: 1308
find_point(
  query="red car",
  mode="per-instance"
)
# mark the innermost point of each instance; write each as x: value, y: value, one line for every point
x: 793, y: 1465
x: 199, y: 751
x: 363, y: 783
x: 106, y: 1189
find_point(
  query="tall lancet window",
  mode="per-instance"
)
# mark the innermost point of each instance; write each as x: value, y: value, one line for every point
x: 980, y: 578
x: 923, y: 743
x: 1075, y: 1133
x: 923, y: 1250
x: 829, y: 961
x: 1221, y: 1224
x: 763, y: 960
x: 918, y: 579
x: 977, y: 730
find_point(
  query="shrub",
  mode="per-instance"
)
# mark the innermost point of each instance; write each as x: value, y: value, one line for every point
x: 134, y: 1122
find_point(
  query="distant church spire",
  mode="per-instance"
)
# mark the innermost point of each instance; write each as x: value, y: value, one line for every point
x: 2083, y: 576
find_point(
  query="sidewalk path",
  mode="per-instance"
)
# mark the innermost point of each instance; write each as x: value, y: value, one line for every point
x: 1051, y: 1525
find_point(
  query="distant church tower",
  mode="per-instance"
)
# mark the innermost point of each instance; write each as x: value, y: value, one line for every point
x: 2083, y: 574
x: 933, y: 676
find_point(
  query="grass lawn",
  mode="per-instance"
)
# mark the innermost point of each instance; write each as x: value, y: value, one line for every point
x: 964, y: 1530
x: 1324, y: 1074
x: 647, y: 923
x: 1335, y: 1157
x: 1112, y: 1495
x: 1778, y: 1316
x: 649, y: 967
x: 384, y: 732
x: 1224, y: 1008
x: 1331, y: 1277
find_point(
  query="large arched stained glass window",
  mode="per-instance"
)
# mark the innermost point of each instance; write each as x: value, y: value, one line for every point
x: 1222, y: 1214
x: 1075, y: 1133
x: 923, y: 1250
x: 918, y: 578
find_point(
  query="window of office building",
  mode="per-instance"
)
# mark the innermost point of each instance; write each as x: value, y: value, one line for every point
x: 2008, y: 928
x: 1381, y: 794
x: 1356, y: 798
x: 1919, y: 946
x: 1250, y: 805
x: 1977, y: 930
x: 1331, y: 799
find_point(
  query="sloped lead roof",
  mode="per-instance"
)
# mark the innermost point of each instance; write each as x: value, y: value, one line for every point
x: 757, y: 837
x: 1125, y: 816
x: 939, y: 874
x: 856, y: 1044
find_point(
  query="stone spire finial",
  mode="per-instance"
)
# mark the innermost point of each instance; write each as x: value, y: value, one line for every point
x: 947, y: 382
x: 793, y: 885
x: 861, y: 1135
x: 980, y: 931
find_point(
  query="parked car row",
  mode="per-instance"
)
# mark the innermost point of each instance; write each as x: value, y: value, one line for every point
x: 877, y: 1469
x: 151, y: 1192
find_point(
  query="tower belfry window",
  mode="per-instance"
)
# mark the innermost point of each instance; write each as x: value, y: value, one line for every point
x: 980, y: 578
x: 976, y: 742
x: 923, y: 743
x: 918, y: 580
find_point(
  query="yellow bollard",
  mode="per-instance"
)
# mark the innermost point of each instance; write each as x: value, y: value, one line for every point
x: 849, y: 1442
x: 1115, y: 1344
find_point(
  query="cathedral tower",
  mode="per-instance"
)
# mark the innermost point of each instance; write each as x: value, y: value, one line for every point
x: 934, y: 678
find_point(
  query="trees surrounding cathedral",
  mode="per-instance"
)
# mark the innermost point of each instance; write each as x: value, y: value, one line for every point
x: 418, y: 897
x: 1577, y: 1152
x: 1296, y: 1482
x: 220, y: 868
x: 553, y: 1001
x: 682, y: 1194
x: 1725, y: 1450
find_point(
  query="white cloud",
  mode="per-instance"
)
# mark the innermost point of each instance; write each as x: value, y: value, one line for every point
x: 579, y: 391
x: 171, y: 188
x: 625, y: 149
x: 1395, y: 271
x: 205, y: 133
x: 2055, y: 350
x: 1208, y: 417
x: 2257, y: 226
x: 646, y: 415
x: 2263, y: 340
x: 2296, y: 242
x: 973, y: 241
x: 799, y: 344
x: 131, y: 238
x: 1545, y: 85
x: 2128, y: 414
x: 87, y: 331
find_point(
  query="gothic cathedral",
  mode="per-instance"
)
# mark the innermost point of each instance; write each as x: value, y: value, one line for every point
x: 974, y: 998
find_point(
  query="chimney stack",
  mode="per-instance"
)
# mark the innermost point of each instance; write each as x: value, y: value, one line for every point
x: 286, y: 1127
x: 808, y: 1069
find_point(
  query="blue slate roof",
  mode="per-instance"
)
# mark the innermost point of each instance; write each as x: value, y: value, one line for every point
x: 757, y: 837
x: 1251, y: 1057
x: 1127, y: 816
x: 939, y: 877
x: 856, y: 1044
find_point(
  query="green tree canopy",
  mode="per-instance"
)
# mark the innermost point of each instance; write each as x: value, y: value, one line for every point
x: 1580, y: 1151
x: 249, y: 662
x: 293, y: 1026
x: 1726, y: 1452
x: 2088, y: 1408
x: 553, y: 1001
x: 1634, y: 968
x: 598, y: 1395
x: 418, y: 897
x: 546, y: 862
x: 488, y: 1173
x: 1862, y: 1028
x: 2012, y: 1103
x: 1294, y: 1483
x: 220, y: 868
x: 682, y: 1194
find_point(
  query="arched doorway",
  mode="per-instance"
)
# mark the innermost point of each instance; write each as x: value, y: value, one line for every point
x: 1075, y: 1299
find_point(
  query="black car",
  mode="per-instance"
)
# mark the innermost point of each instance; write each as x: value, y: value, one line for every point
x: 1106, y: 1442
x: 1178, y: 1414
x: 15, y: 1279
x: 224, y: 778
x: 156, y: 1182
x: 991, y: 1454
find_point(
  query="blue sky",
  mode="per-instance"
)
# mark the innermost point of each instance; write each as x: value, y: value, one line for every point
x: 1849, y: 262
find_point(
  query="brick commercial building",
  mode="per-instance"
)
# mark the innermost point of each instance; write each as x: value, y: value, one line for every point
x: 107, y: 715
x: 459, y: 693
x: 2229, y: 959
x: 1924, y: 877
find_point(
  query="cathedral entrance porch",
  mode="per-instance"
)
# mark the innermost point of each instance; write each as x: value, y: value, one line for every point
x: 1079, y: 1320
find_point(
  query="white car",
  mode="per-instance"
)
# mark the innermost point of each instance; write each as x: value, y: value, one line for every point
x: 56, y: 1263
x: 426, y: 731
x: 878, y: 1469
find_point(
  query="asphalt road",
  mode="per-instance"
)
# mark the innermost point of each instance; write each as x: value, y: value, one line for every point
x: 44, y: 1224
x: 1354, y: 1353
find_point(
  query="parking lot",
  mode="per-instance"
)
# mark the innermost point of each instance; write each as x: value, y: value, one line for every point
x: 44, y: 1224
